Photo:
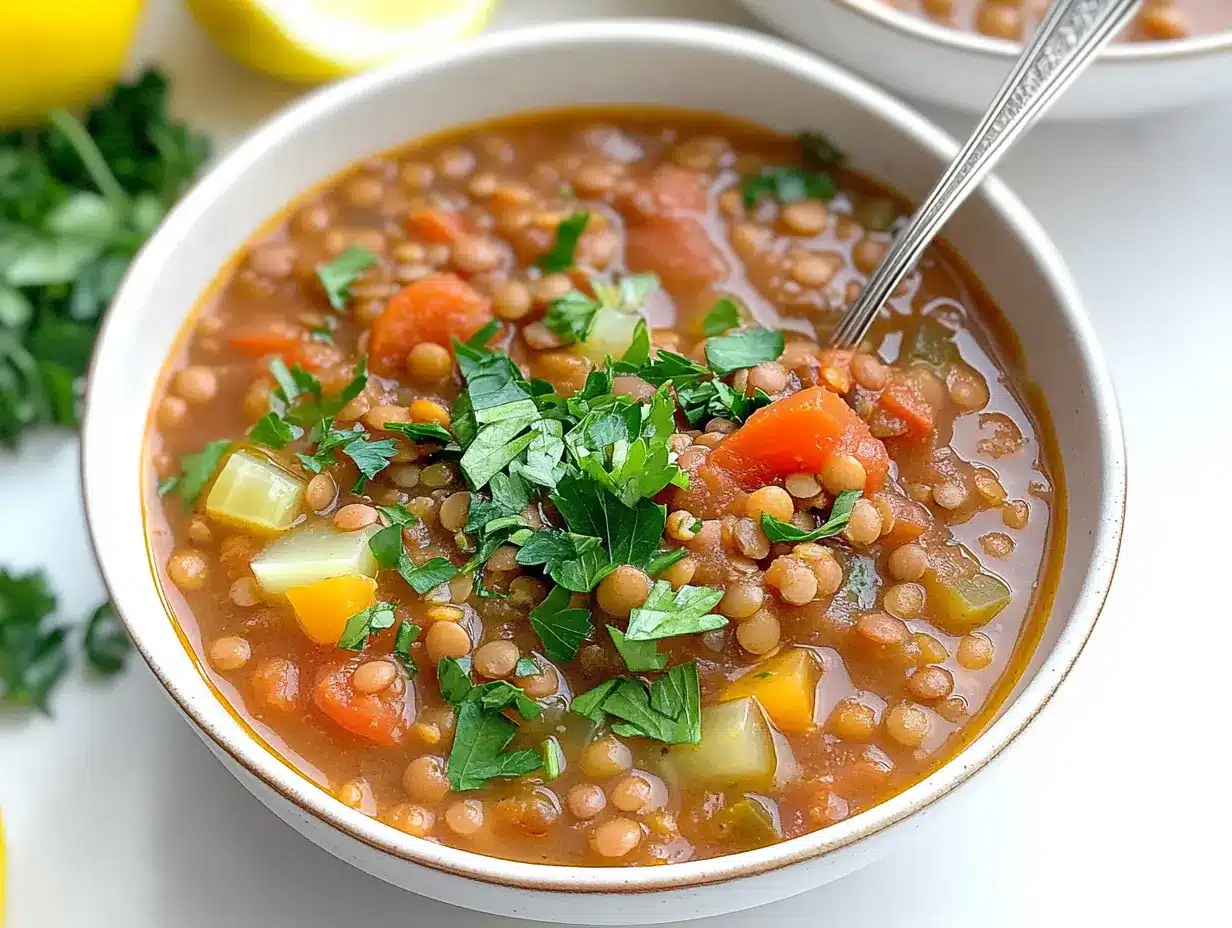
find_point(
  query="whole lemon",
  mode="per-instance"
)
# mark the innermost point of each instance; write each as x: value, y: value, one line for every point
x: 60, y: 53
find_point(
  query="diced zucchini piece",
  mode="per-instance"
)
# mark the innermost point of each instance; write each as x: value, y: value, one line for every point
x: 611, y: 334
x: 736, y: 750
x: 747, y: 823
x: 254, y: 493
x: 786, y: 687
x: 961, y: 604
x: 312, y: 553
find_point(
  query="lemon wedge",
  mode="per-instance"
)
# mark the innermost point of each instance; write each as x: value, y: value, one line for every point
x: 316, y: 40
x: 60, y: 54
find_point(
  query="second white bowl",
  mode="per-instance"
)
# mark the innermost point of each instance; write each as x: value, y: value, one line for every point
x: 920, y: 59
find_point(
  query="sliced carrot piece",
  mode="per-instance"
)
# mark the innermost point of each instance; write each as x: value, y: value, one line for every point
x: 903, y: 399
x: 799, y: 434
x: 435, y: 226
x: 678, y: 250
x: 322, y: 608
x: 435, y: 309
x: 283, y: 338
x: 382, y: 718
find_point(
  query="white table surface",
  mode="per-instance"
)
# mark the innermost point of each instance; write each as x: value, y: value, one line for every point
x: 1101, y: 814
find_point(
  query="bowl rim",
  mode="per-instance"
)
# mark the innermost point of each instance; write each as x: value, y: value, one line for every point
x: 1120, y: 53
x: 216, y: 723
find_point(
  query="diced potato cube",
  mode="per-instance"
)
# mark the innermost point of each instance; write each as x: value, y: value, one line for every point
x: 254, y: 493
x: 322, y: 608
x: 786, y: 687
x: 312, y: 553
x: 736, y: 750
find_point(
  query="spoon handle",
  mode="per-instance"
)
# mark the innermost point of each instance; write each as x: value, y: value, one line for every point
x: 1064, y: 44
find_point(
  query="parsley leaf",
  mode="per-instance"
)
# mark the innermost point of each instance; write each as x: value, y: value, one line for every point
x: 500, y: 694
x: 553, y: 759
x: 668, y: 613
x: 589, y: 705
x: 407, y: 635
x: 561, y: 628
x: 273, y: 431
x: 311, y: 407
x: 638, y: 353
x: 665, y: 559
x: 397, y: 515
x: 747, y: 348
x: 196, y: 470
x: 573, y: 561
x: 631, y: 534
x: 453, y: 678
x: 639, y: 656
x: 669, y: 710
x: 568, y: 232
x: 106, y: 644
x: 33, y: 653
x: 478, y: 753
x: 787, y: 185
x: 336, y: 276
x: 428, y: 575
x: 371, y: 457
x: 840, y: 515
x: 723, y: 315
x: 573, y: 316
x: 420, y: 431
x: 496, y: 446
x: 376, y: 617
x: 818, y: 151
x: 479, y: 341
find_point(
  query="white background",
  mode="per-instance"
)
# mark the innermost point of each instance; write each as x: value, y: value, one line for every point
x: 1111, y: 809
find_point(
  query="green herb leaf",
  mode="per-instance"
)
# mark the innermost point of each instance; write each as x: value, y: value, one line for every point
x: 568, y: 232
x: 293, y: 382
x: 196, y: 470
x: 553, y: 759
x: 453, y: 678
x: 639, y: 348
x: 407, y: 635
x: 669, y: 711
x: 668, y: 613
x: 376, y: 617
x: 840, y: 515
x: 631, y: 534
x: 639, y: 656
x: 371, y: 457
x: 310, y: 409
x: 106, y: 644
x: 818, y: 151
x: 397, y: 515
x: 496, y: 446
x: 336, y: 276
x: 500, y: 694
x: 479, y: 341
x: 274, y: 432
x: 747, y: 348
x: 723, y: 315
x: 428, y: 575
x: 420, y: 431
x: 665, y: 559
x: 576, y: 562
x: 561, y: 629
x: 573, y: 316
x: 33, y: 652
x: 478, y: 753
x: 589, y: 705
x: 788, y: 185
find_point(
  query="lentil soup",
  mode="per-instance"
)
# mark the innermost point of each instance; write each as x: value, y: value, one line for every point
x: 504, y: 488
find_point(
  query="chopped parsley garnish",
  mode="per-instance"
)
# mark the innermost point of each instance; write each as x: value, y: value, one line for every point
x: 33, y: 651
x: 407, y: 635
x: 420, y: 431
x: 573, y: 316
x: 389, y: 550
x: 668, y: 710
x: 196, y: 470
x: 561, y: 629
x: 482, y: 731
x: 553, y: 759
x: 818, y: 151
x: 840, y: 515
x: 560, y: 256
x: 429, y: 575
x: 665, y: 559
x: 376, y: 617
x: 397, y: 514
x: 788, y: 185
x: 370, y: 457
x: 336, y: 276
x: 747, y: 348
x: 668, y: 613
x: 453, y: 679
x: 479, y: 341
x: 723, y: 315
x: 639, y: 656
x: 273, y: 431
x: 573, y: 561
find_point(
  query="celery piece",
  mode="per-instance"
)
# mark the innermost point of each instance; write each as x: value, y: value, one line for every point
x: 610, y: 334
x: 312, y: 553
x: 254, y: 493
x: 736, y: 750
x: 933, y: 346
x: 961, y: 604
x: 747, y: 823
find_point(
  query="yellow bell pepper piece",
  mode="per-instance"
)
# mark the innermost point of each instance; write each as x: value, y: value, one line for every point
x: 786, y: 687
x: 322, y: 608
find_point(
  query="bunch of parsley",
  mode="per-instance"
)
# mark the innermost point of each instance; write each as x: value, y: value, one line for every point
x: 78, y: 197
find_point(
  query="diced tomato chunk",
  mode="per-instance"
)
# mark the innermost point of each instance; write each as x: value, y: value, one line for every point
x: 435, y: 226
x: 435, y: 309
x: 904, y: 400
x: 799, y: 434
x: 676, y: 188
x: 382, y: 718
x: 678, y: 250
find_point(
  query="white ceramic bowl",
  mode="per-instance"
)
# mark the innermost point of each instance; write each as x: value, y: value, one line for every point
x: 685, y: 65
x: 918, y: 58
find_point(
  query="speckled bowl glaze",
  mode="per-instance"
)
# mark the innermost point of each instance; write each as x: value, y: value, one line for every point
x: 672, y: 64
x: 927, y: 61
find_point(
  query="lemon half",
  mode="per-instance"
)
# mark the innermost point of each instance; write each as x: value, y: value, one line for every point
x: 316, y: 40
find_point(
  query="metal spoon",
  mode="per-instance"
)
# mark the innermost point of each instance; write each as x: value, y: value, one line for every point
x: 1060, y: 50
